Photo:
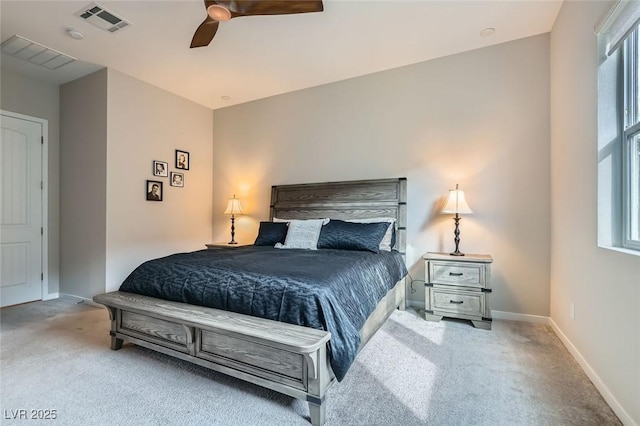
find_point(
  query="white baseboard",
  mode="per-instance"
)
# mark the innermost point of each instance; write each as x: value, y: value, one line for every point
x: 624, y: 417
x: 51, y: 296
x: 414, y: 304
x: 512, y: 316
x: 79, y: 299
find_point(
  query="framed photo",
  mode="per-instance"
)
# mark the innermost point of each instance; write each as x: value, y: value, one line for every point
x: 182, y: 160
x: 154, y: 190
x: 177, y: 179
x: 160, y: 168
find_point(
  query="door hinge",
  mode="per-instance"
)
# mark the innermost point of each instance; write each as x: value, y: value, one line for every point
x: 41, y: 185
x: 42, y: 140
x: 41, y: 276
x: 41, y: 230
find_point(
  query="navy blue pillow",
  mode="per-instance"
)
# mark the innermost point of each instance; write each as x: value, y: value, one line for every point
x: 338, y: 234
x: 271, y: 233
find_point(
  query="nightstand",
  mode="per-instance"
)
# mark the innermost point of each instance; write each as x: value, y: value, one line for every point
x: 458, y: 287
x: 213, y: 245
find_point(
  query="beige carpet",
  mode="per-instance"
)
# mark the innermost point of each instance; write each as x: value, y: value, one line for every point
x: 55, y: 356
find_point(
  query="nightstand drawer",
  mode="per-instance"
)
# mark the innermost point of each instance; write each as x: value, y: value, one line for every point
x: 458, y: 302
x: 459, y: 274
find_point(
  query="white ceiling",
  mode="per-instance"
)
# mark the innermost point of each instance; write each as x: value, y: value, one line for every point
x: 259, y: 56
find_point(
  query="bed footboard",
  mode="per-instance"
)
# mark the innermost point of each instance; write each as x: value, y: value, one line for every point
x: 287, y: 358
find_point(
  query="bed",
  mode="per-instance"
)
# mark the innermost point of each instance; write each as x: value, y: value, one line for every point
x: 293, y: 359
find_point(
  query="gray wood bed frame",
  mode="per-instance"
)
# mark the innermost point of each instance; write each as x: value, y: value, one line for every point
x: 287, y: 358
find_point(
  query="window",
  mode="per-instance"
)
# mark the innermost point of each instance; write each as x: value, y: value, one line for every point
x: 631, y: 143
x: 619, y: 127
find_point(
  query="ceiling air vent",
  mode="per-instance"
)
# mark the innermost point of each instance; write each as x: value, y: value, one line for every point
x: 102, y: 18
x: 35, y: 53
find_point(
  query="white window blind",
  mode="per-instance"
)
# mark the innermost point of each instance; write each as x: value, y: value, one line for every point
x: 618, y: 22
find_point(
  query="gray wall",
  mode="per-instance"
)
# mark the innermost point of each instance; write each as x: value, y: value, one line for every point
x: 113, y: 127
x: 145, y: 124
x: 83, y: 183
x: 37, y: 99
x: 480, y: 119
x: 603, y: 284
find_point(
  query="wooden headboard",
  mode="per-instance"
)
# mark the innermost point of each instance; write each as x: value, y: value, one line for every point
x: 358, y: 199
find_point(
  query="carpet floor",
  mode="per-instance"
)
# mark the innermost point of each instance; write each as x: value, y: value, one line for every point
x: 55, y: 355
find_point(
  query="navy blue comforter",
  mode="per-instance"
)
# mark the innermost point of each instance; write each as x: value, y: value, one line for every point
x: 332, y: 290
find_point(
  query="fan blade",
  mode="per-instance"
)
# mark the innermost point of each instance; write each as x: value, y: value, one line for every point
x: 268, y: 7
x: 205, y: 32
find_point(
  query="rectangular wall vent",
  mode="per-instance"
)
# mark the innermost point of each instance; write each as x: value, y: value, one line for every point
x: 35, y: 53
x: 102, y: 18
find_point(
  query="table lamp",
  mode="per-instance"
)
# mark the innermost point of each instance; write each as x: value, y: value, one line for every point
x: 233, y: 208
x: 456, y: 204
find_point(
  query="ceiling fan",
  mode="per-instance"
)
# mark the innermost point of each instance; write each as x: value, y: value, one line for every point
x: 223, y: 10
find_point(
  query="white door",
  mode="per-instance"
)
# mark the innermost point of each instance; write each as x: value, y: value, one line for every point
x: 20, y: 211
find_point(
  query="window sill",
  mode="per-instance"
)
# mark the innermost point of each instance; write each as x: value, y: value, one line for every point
x: 621, y: 250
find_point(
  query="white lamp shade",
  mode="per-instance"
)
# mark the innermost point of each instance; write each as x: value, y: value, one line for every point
x: 456, y: 203
x: 233, y: 207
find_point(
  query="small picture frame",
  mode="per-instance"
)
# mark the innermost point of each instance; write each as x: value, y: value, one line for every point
x: 154, y: 190
x: 160, y: 168
x: 177, y: 179
x: 182, y: 160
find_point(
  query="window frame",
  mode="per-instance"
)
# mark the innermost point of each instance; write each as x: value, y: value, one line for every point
x: 631, y: 140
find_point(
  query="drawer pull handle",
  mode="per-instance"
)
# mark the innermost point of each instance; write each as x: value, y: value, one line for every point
x: 456, y: 302
x: 455, y: 274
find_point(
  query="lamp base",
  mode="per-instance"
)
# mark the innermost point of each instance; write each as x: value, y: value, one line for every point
x: 456, y: 240
x: 233, y: 231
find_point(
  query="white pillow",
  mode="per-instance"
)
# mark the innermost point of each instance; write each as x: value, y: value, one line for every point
x: 385, y: 244
x: 303, y: 234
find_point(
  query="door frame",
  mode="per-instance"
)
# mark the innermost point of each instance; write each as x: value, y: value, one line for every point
x: 44, y: 194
